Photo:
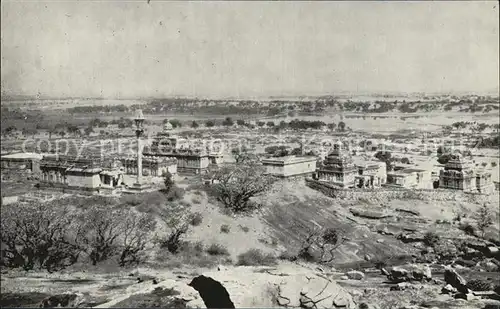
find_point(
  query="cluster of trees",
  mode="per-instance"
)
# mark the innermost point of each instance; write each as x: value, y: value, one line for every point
x: 38, y: 237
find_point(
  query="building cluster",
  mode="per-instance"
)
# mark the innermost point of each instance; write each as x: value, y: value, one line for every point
x: 340, y: 169
x: 166, y: 153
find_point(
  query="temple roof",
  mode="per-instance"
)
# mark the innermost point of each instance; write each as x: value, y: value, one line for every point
x: 457, y: 162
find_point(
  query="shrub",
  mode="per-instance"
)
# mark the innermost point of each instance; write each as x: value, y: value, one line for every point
x: 195, y: 219
x: 196, y: 200
x: 255, y: 257
x: 468, y: 228
x: 225, y: 228
x: 493, y: 164
x: 431, y: 239
x: 287, y: 256
x: 245, y: 228
x: 217, y: 249
x: 168, y: 181
x: 479, y: 285
x: 175, y: 193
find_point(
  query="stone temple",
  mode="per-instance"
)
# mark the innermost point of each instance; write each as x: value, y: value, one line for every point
x: 338, y: 168
x: 459, y: 174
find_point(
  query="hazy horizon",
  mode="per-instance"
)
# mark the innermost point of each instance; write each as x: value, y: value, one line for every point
x: 247, y: 49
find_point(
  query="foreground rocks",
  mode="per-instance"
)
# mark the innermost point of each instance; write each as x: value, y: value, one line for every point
x: 287, y: 285
x: 409, y: 273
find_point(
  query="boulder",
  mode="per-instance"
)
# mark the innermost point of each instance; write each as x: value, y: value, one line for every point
x: 421, y: 272
x: 355, y: 275
x: 286, y: 285
x: 369, y: 214
x: 409, y: 211
x: 410, y: 273
x: 452, y: 278
x: 466, y: 296
x: 448, y: 289
x: 68, y: 300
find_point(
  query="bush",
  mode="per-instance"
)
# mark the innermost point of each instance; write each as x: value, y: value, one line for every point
x: 245, y: 228
x: 287, y: 256
x: 468, y: 228
x: 196, y: 200
x: 225, y: 228
x: 175, y: 193
x: 195, y: 219
x: 493, y: 164
x: 431, y: 239
x: 217, y: 249
x: 255, y: 257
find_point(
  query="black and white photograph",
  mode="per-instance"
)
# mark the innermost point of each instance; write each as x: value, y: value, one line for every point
x: 250, y: 154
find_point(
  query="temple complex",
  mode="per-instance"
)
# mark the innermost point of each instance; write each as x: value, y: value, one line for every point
x: 371, y: 174
x: 458, y: 174
x: 338, y: 168
x: 151, y: 166
x: 191, y: 159
x: 83, y: 175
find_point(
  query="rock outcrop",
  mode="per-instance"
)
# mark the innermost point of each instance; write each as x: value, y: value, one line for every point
x: 286, y: 285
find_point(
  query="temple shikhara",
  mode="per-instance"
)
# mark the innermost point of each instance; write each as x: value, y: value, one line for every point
x: 458, y: 174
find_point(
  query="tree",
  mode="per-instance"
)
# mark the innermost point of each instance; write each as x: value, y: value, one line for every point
x: 320, y: 245
x: 228, y: 122
x: 342, y: 126
x: 177, y: 220
x: 385, y: 156
x: 175, y: 123
x: 484, y: 219
x: 194, y: 124
x: 101, y: 231
x: 134, y: 236
x: 270, y: 123
x: 261, y: 123
x: 38, y: 237
x: 405, y: 160
x: 332, y: 126
x: 209, y: 123
x: 88, y: 130
x: 168, y: 181
x: 242, y: 155
x: 236, y: 185
x: 240, y: 122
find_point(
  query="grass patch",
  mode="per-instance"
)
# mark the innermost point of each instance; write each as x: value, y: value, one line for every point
x: 255, y: 257
x: 225, y: 228
x: 217, y: 250
x: 195, y: 219
x: 245, y: 229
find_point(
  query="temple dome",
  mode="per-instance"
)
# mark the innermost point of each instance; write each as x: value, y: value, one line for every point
x: 457, y: 162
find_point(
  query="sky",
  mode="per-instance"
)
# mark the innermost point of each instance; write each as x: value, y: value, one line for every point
x: 124, y: 49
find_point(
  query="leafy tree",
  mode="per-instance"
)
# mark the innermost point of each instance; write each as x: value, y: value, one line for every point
x: 209, y: 123
x: 405, y: 160
x: 194, y: 124
x: 484, y: 219
x: 175, y: 123
x: 270, y: 123
x: 236, y: 185
x: 240, y: 122
x: 385, y: 156
x: 332, y: 126
x: 261, y: 123
x: 342, y: 126
x: 228, y: 122
x: 168, y: 181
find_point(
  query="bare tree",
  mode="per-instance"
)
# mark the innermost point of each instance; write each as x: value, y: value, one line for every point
x: 235, y: 185
x: 135, y: 235
x: 100, y: 232
x: 324, y: 241
x: 37, y: 236
x: 177, y: 220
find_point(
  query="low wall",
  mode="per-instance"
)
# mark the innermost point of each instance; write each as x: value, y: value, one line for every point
x: 6, y: 200
x: 385, y: 193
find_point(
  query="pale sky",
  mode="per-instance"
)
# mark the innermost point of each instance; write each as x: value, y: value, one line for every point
x: 133, y: 49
